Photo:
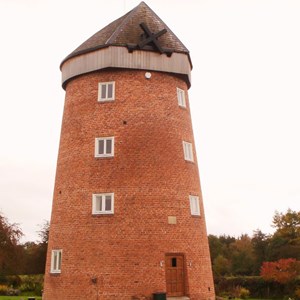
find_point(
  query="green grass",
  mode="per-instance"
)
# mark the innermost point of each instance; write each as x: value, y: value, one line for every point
x: 18, y: 297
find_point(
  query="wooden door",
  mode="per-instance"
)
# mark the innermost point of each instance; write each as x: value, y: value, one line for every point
x: 175, y: 274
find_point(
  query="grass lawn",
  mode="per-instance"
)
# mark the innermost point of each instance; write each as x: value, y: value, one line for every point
x: 18, y: 297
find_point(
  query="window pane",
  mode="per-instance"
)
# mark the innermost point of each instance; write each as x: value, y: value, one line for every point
x: 194, y: 205
x: 101, y: 147
x: 98, y: 203
x: 103, y: 91
x: 189, y: 151
x: 186, y: 150
x: 108, y: 146
x: 110, y: 91
x: 108, y: 203
x: 194, y: 202
x: 59, y: 260
x: 180, y: 98
x: 55, y: 261
x: 174, y: 262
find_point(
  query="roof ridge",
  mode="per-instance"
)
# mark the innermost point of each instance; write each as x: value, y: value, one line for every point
x: 168, y: 28
x: 118, y: 29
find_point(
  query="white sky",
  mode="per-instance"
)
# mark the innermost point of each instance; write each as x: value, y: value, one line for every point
x: 245, y: 101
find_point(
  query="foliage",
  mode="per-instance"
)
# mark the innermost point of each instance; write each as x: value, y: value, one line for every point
x: 282, y: 271
x: 8, y: 291
x: 240, y: 292
x: 221, y: 266
x: 32, y: 283
x: 257, y: 286
x: 34, y: 253
x: 259, y: 243
x: 288, y: 224
x: 242, y: 256
x: 26, y: 284
x: 285, y: 242
x: 10, y: 235
x: 3, y: 289
x: 10, y: 280
x: 297, y: 292
x: 245, y: 255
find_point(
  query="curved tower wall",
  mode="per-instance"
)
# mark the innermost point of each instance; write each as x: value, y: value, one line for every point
x: 150, y: 240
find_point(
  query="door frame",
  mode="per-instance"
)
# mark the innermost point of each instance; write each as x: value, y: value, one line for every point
x: 184, y: 280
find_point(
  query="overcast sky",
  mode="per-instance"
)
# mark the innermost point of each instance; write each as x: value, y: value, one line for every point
x: 245, y: 101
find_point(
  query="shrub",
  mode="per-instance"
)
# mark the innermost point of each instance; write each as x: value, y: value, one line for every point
x: 240, y: 292
x: 13, y: 292
x: 244, y: 293
x: 32, y: 283
x: 297, y: 292
x: 3, y: 290
x: 10, y: 280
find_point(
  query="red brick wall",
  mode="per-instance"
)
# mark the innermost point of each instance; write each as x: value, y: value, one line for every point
x: 150, y: 180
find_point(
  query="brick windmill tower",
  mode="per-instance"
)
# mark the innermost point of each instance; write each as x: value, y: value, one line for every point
x: 127, y: 217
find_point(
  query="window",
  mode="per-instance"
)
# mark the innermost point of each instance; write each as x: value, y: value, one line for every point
x: 103, y: 203
x: 174, y: 262
x: 188, y: 151
x: 181, y: 97
x: 106, y: 91
x: 104, y: 147
x: 194, y: 205
x: 56, y: 261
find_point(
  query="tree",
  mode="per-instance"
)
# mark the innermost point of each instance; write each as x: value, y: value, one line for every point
x: 215, y: 246
x: 221, y: 266
x: 260, y: 242
x: 10, y: 235
x: 282, y: 271
x: 242, y: 256
x: 287, y: 225
x: 35, y: 252
x: 285, y: 243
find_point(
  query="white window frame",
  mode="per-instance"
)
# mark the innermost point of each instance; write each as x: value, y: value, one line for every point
x: 101, y: 197
x: 188, y: 151
x: 105, y: 139
x: 56, y: 258
x: 181, y: 97
x: 104, y: 98
x: 194, y: 205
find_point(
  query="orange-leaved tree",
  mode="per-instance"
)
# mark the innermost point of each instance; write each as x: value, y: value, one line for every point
x: 282, y: 270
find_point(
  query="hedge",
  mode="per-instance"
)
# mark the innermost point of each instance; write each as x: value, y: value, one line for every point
x: 258, y: 287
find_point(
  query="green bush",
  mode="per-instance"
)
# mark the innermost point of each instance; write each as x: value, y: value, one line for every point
x: 32, y: 283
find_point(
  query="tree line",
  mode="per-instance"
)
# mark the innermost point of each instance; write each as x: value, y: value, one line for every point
x: 230, y: 256
x: 249, y: 256
x: 21, y: 258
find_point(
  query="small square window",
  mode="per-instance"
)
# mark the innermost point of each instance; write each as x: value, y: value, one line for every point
x: 103, y: 204
x: 188, y: 151
x: 181, y: 97
x: 194, y: 205
x: 104, y: 147
x: 56, y: 261
x: 106, y: 91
